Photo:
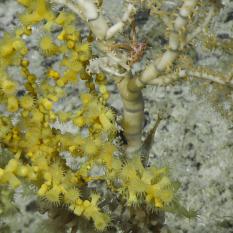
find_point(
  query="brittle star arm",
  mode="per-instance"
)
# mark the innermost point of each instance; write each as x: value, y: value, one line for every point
x: 201, y: 73
x: 199, y: 29
x: 159, y: 66
x: 211, y: 75
x: 155, y: 73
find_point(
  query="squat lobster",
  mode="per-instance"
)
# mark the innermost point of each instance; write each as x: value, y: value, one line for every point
x: 136, y: 49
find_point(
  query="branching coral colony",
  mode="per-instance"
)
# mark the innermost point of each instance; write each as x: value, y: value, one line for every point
x: 126, y: 194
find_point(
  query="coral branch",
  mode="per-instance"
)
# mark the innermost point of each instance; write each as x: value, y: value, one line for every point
x: 207, y: 74
x: 133, y: 115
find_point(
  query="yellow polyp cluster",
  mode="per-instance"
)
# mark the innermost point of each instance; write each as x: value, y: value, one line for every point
x: 36, y: 146
x: 91, y: 211
x: 15, y: 170
x: 151, y: 185
x: 37, y: 10
x: 95, y: 116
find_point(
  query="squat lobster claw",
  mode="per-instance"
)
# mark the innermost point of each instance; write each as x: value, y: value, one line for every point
x: 136, y: 49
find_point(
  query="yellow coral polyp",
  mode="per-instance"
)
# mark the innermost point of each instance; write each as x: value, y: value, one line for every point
x: 36, y: 11
x: 25, y: 30
x: 78, y: 210
x: 52, y: 97
x: 14, y: 181
x: 101, y: 221
x: 166, y: 196
x: 86, y: 98
x: 62, y: 82
x: 12, y: 165
x: 64, y: 18
x: 47, y: 46
x: 90, y: 147
x: 12, y: 104
x: 106, y: 96
x: 27, y: 102
x: 18, y: 44
x: 9, y: 87
x: 43, y: 189
x: 79, y: 121
x: 47, y: 104
x: 29, y: 19
x: 158, y: 203
x: 22, y: 171
x: 63, y: 116
x: 53, y: 74
x: 83, y: 51
x: 71, y: 75
x: 107, y: 154
x: 61, y: 36
x: 48, y: 177
x: 32, y: 176
x: 132, y: 198
x: 71, y: 195
x: 84, y: 47
x: 163, y: 183
x: 71, y: 33
x: 52, y: 116
x: 1, y: 172
x: 37, y: 116
x: 24, y: 63
x: 70, y: 44
x: 6, y: 50
x: 53, y: 195
x: 100, y: 78
x: 106, y: 123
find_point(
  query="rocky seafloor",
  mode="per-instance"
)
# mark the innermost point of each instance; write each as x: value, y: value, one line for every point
x: 193, y: 138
